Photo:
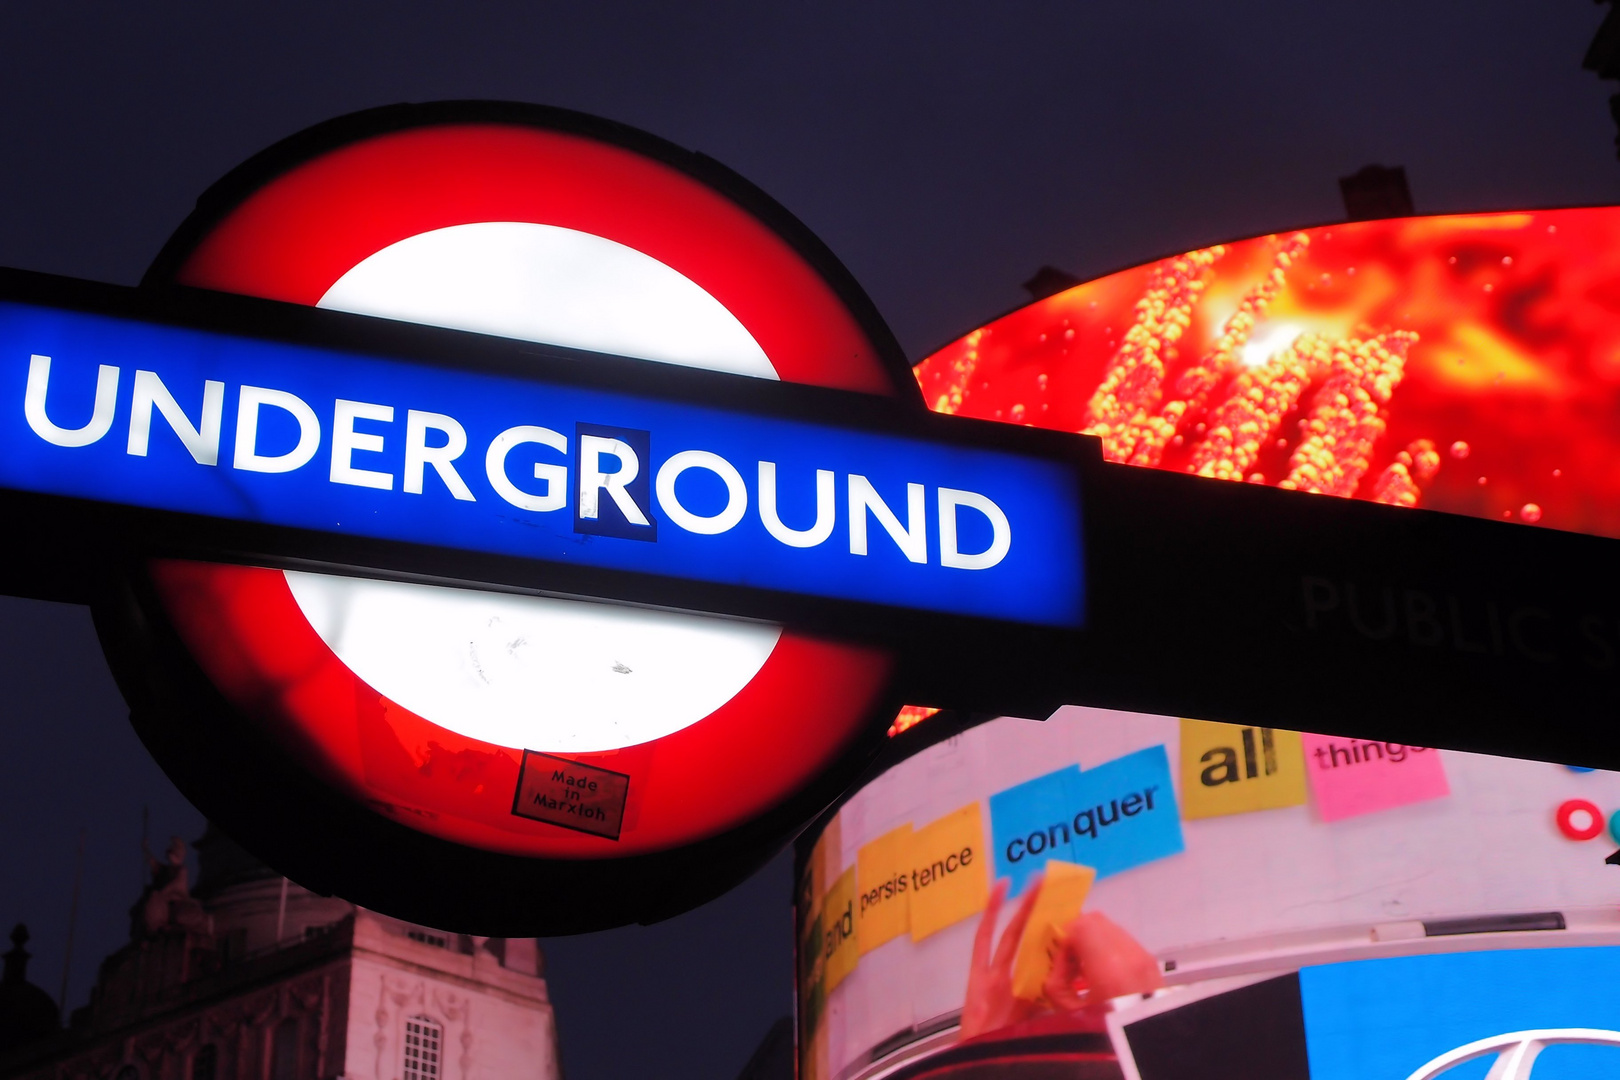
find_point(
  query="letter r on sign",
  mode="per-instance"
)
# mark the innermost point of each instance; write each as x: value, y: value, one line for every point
x: 612, y: 468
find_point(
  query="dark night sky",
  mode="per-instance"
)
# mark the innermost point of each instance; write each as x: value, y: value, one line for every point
x: 943, y: 151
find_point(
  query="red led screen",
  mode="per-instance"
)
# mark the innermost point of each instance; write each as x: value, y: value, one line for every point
x: 1469, y: 364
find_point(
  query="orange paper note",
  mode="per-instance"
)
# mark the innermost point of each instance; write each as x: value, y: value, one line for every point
x: 882, y: 908
x: 947, y: 870
x: 1063, y: 891
x: 840, y: 945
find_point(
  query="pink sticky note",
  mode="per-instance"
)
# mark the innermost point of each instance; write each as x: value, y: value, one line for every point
x: 1355, y: 776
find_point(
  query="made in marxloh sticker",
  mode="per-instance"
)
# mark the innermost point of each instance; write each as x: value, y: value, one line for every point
x: 567, y: 793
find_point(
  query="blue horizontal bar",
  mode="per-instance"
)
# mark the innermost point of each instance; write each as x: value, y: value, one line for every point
x: 254, y: 430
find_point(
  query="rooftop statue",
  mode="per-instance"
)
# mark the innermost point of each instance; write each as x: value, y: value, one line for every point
x: 167, y: 901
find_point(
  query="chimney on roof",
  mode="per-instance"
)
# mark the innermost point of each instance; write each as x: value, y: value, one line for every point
x: 1376, y: 192
x: 27, y: 1013
x: 1048, y: 281
x: 1603, y: 55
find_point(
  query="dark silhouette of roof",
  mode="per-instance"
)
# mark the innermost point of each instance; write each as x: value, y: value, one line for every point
x: 27, y: 1013
x: 1603, y: 56
x: 1049, y: 281
x: 773, y: 1059
x: 1376, y: 192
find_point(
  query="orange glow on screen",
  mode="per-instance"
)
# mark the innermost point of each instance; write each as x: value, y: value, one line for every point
x: 909, y: 717
x: 1468, y: 364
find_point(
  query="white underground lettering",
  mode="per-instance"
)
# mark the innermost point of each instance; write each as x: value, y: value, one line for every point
x: 359, y: 442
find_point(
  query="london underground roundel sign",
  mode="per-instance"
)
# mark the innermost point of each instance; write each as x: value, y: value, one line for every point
x: 554, y: 755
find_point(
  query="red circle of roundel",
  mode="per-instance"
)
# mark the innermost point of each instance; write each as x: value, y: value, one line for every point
x: 297, y: 235
x: 290, y: 240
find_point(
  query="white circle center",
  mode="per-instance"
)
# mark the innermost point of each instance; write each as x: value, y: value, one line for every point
x: 546, y: 283
x: 531, y: 672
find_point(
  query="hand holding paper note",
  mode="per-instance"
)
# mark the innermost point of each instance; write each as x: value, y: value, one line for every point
x: 1051, y: 956
x: 1099, y: 960
x: 990, y: 1003
x: 1062, y: 892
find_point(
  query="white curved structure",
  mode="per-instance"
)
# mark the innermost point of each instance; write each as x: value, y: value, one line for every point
x: 1516, y: 1051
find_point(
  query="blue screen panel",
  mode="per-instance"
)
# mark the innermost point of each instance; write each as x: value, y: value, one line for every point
x: 1387, y: 1018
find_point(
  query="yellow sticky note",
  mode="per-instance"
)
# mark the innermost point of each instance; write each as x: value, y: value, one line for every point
x: 1063, y: 891
x: 1229, y: 769
x: 947, y: 871
x: 881, y: 872
x: 839, y: 948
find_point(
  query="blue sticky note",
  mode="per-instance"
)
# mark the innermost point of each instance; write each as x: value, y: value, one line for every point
x: 1027, y: 826
x: 1123, y: 813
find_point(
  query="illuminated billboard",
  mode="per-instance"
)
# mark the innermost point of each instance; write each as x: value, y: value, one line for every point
x: 1468, y: 364
x: 1018, y: 889
x: 1124, y: 894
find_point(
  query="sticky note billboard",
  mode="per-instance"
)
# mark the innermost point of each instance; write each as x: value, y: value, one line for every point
x: 1462, y: 364
x: 1012, y: 878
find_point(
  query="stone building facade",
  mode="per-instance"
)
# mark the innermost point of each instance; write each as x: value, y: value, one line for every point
x: 253, y: 978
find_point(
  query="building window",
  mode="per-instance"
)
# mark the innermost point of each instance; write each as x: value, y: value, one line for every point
x: 438, y: 941
x: 284, y: 1051
x: 205, y: 1065
x: 422, y: 1038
